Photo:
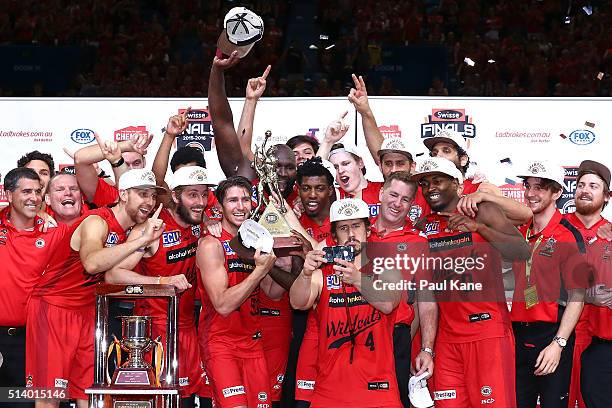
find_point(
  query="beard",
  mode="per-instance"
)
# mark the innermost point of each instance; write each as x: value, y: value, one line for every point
x: 183, y: 213
x: 588, y: 208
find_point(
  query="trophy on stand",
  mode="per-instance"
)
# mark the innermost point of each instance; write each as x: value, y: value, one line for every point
x: 136, y: 340
x: 135, y: 383
x: 268, y: 229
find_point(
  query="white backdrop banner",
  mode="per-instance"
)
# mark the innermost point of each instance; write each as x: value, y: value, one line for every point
x: 502, y: 133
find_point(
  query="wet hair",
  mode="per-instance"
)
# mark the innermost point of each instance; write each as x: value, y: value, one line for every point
x: 11, y: 180
x: 357, y: 158
x: 36, y: 155
x: 299, y: 139
x: 313, y: 167
x: 404, y: 177
x: 234, y: 181
x: 186, y: 155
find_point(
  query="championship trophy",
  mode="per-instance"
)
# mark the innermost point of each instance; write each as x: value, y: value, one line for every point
x: 135, y: 382
x: 268, y: 229
x: 136, y: 340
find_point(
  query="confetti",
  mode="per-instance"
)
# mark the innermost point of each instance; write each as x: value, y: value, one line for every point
x: 588, y: 10
x: 568, y: 20
x: 589, y: 124
x: 329, y: 47
x: 600, y: 76
x: 313, y: 47
x: 491, y: 61
x: 506, y: 160
x: 419, y: 154
x: 469, y: 61
x: 563, y: 136
x: 510, y: 181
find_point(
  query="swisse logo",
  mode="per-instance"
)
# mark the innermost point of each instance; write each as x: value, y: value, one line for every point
x: 82, y: 136
x: 582, y: 137
x: 448, y: 114
x: 197, y: 114
x: 445, y: 395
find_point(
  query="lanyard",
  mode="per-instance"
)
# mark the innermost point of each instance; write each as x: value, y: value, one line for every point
x: 529, y: 262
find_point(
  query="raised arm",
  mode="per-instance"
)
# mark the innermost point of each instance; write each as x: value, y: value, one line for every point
x: 358, y: 96
x: 254, y: 89
x: 517, y: 213
x: 211, y: 261
x: 334, y: 132
x: 176, y: 125
x: 231, y: 159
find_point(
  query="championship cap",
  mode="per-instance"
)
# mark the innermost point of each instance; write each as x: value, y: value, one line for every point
x: 449, y: 136
x: 241, y: 30
x: 418, y: 393
x: 394, y: 145
x: 138, y: 178
x: 437, y: 165
x: 348, y: 209
x: 345, y: 148
x: 189, y: 176
x: 593, y: 167
x: 543, y: 169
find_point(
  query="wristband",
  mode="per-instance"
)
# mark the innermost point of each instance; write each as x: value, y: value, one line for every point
x: 118, y: 164
x: 428, y: 351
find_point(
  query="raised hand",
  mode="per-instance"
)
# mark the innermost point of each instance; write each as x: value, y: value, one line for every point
x: 358, y: 96
x: 336, y: 129
x: 256, y: 86
x: 154, y: 227
x: 110, y: 149
x: 224, y: 63
x: 177, y: 123
x: 140, y: 144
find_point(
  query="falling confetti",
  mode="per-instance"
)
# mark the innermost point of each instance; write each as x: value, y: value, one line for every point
x: 469, y: 61
x: 491, y: 61
x: 506, y: 160
x: 563, y: 136
x: 510, y: 181
x: 589, y: 124
x: 588, y: 10
x: 600, y: 76
x: 419, y: 154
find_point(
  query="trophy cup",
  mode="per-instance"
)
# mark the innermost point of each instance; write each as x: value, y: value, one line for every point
x: 271, y: 220
x: 136, y: 340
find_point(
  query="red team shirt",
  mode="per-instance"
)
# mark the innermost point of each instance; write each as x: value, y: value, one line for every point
x: 24, y: 255
x: 316, y: 231
x: 65, y: 283
x: 559, y: 257
x: 372, y: 381
x: 473, y: 315
x: 237, y: 334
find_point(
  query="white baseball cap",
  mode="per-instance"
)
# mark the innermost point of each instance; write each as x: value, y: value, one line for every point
x: 241, y: 30
x: 189, y: 176
x: 348, y: 209
x: 255, y: 236
x: 543, y: 169
x: 437, y: 165
x: 394, y: 145
x: 138, y: 178
x: 418, y: 391
x: 449, y: 136
x: 347, y: 148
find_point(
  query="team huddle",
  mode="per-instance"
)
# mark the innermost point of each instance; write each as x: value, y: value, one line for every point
x: 314, y: 329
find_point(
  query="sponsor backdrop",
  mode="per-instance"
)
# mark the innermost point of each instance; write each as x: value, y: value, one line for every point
x: 501, y: 133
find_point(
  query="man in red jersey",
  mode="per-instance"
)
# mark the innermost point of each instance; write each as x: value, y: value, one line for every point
x: 171, y: 259
x: 230, y: 333
x: 590, y: 197
x: 62, y: 302
x: 548, y: 293
x: 355, y: 338
x: 474, y: 327
x: 393, y: 227
x: 596, y: 374
x: 24, y: 252
x: 452, y: 146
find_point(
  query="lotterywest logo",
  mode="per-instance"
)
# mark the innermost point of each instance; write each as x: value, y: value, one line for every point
x: 582, y: 137
x: 130, y: 133
x: 566, y: 203
x: 443, y: 119
x: 199, y: 131
x: 82, y: 136
x: 390, y: 131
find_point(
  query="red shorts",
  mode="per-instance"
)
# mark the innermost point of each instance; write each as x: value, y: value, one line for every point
x: 190, y: 371
x: 307, y: 369
x: 237, y: 381
x: 475, y: 374
x: 59, y: 348
x: 276, y: 343
x: 583, y: 340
